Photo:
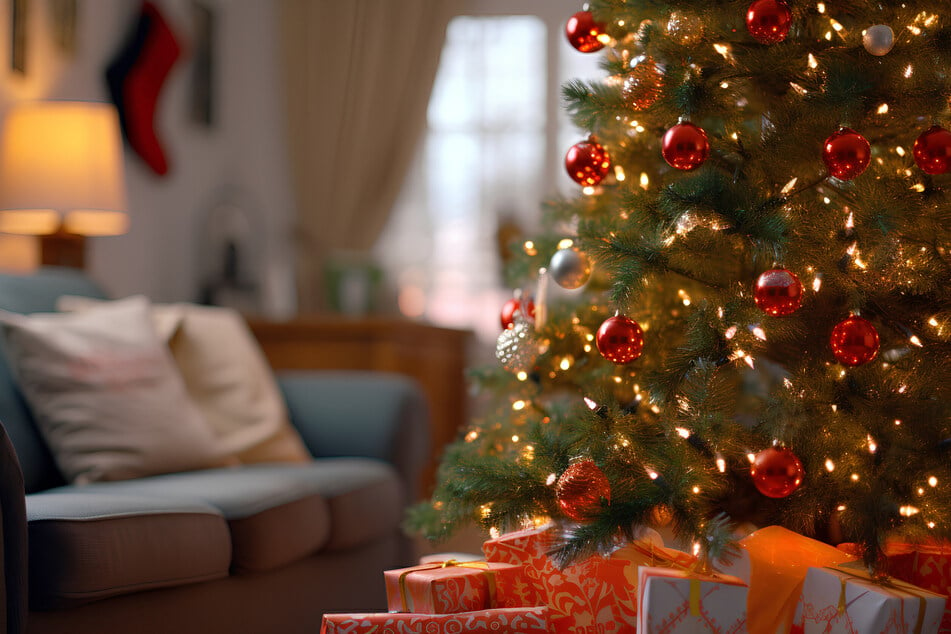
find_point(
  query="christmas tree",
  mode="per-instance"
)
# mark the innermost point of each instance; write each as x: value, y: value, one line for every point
x: 762, y: 327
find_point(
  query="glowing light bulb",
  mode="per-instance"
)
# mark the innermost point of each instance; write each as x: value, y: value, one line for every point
x: 830, y: 466
x: 933, y: 481
x: 518, y: 405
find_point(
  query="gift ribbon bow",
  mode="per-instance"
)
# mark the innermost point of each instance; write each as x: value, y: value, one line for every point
x: 406, y: 600
x: 669, y: 562
x: 887, y: 582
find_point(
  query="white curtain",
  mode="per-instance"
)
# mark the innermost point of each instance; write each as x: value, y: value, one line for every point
x: 358, y: 76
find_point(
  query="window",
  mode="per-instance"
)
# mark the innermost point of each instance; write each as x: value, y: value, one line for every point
x: 490, y: 155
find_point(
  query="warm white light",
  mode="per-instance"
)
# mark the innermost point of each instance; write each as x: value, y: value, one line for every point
x: 696, y: 490
x: 588, y: 191
x: 909, y: 71
x: 933, y: 481
x: 721, y: 465
x: 515, y: 438
x: 821, y: 7
x: 652, y: 475
x: 788, y: 187
x: 830, y: 466
x: 64, y: 158
x: 908, y: 511
x: 872, y: 445
x: 751, y: 457
x: 723, y: 49
x: 882, y: 109
x: 550, y: 480
x: 684, y: 433
x: 915, y: 340
x: 855, y: 477
x: 590, y: 403
x: 900, y: 151
x: 494, y: 532
x: 645, y: 180
x: 730, y: 332
x: 529, y: 247
x: 759, y: 333
x: 472, y: 435
x: 522, y: 375
x: 619, y: 173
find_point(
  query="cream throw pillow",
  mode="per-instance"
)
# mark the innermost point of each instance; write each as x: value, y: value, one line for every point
x: 106, y: 394
x: 228, y: 377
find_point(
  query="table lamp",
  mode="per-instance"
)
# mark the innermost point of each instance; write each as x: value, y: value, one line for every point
x: 62, y: 176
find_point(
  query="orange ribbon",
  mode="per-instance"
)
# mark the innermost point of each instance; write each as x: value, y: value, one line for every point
x: 406, y: 599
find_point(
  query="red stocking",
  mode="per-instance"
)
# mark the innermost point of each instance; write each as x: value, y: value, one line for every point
x: 135, y: 78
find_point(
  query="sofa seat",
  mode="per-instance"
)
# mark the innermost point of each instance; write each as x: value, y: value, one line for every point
x: 85, y: 547
x: 280, y: 513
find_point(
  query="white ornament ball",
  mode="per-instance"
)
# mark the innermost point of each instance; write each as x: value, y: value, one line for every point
x: 879, y: 39
x: 516, y: 348
x: 570, y: 268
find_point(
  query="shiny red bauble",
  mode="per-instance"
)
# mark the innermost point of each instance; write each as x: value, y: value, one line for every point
x: 768, y: 21
x: 933, y: 150
x: 854, y: 341
x: 580, y: 489
x: 778, y: 292
x: 620, y: 339
x: 512, y: 308
x: 582, y: 32
x: 587, y: 163
x: 685, y: 146
x: 776, y: 472
x: 846, y: 154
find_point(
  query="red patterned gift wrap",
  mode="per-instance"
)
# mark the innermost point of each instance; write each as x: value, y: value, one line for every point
x: 594, y: 596
x: 848, y: 600
x: 452, y: 586
x: 508, y: 620
x: 674, y: 601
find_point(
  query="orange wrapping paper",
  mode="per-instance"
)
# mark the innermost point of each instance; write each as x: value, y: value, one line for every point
x: 450, y: 587
x: 774, y: 562
x: 508, y: 620
x: 594, y: 596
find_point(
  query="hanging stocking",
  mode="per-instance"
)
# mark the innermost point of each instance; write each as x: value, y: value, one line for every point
x: 135, y: 78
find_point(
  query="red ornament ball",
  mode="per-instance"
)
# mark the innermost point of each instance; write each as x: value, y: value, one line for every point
x: 846, y: 154
x: 933, y: 150
x: 778, y: 292
x: 854, y: 341
x: 583, y: 32
x: 580, y: 489
x: 685, y: 146
x: 768, y: 21
x: 512, y: 308
x: 776, y: 472
x: 643, y: 85
x: 587, y: 163
x: 620, y: 339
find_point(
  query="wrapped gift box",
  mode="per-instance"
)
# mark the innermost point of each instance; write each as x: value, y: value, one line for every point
x: 773, y: 562
x: 522, y: 620
x: 671, y: 600
x: 927, y: 565
x: 451, y: 586
x: 596, y: 595
x: 847, y: 600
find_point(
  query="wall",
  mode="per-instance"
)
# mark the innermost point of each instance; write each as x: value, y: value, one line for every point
x: 240, y: 157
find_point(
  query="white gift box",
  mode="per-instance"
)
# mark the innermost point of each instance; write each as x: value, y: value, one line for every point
x: 674, y: 601
x: 846, y: 600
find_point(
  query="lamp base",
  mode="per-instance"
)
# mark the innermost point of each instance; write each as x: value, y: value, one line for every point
x: 63, y: 249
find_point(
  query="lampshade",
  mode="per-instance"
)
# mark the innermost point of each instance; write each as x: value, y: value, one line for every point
x: 61, y: 168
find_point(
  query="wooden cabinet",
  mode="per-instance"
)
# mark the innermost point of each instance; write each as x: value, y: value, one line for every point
x: 436, y: 357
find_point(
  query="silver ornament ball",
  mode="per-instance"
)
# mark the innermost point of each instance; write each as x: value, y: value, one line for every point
x: 879, y: 39
x: 516, y: 347
x: 570, y: 268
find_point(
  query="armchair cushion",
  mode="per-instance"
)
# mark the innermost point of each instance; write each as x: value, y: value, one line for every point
x: 85, y: 547
x: 227, y: 377
x: 106, y: 394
